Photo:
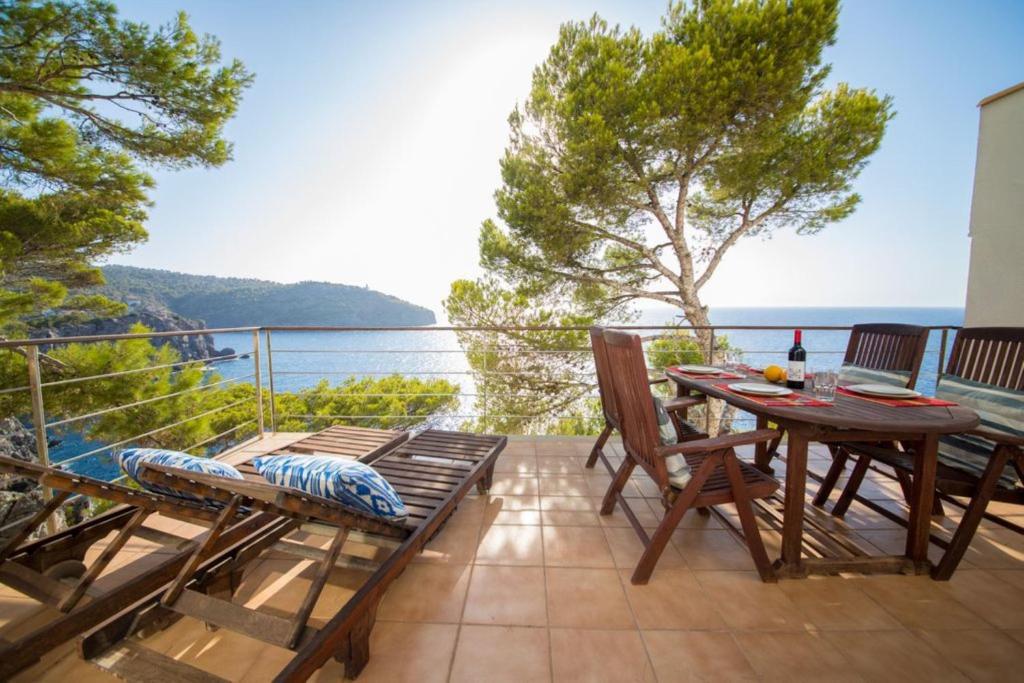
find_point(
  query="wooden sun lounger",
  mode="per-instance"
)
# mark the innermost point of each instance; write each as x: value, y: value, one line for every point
x: 34, y: 568
x: 432, y: 472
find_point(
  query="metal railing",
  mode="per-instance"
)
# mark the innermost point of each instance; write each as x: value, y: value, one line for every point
x: 281, y: 371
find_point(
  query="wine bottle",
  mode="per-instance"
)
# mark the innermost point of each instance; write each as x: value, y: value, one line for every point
x: 797, y: 363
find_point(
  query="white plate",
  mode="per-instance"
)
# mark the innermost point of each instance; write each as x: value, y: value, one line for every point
x: 760, y: 389
x: 700, y: 369
x: 883, y: 390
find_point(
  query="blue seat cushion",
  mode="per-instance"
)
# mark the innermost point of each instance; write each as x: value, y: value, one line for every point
x: 131, y: 459
x: 855, y: 374
x: 349, y: 482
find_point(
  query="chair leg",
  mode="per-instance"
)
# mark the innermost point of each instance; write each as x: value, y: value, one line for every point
x: 596, y: 451
x: 972, y: 516
x: 618, y: 483
x: 839, y: 458
x: 644, y: 568
x: 850, y: 490
x: 751, y: 533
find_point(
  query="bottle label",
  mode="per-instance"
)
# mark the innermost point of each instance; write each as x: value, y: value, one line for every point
x: 795, y: 373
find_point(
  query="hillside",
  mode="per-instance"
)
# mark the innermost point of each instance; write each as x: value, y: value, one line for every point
x: 234, y: 302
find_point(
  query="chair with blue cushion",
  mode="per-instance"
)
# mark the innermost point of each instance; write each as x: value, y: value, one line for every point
x: 985, y: 373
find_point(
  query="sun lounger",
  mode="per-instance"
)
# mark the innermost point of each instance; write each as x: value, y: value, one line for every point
x: 37, y: 568
x: 432, y: 472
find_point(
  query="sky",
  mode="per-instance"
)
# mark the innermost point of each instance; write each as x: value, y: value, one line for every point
x: 367, y: 150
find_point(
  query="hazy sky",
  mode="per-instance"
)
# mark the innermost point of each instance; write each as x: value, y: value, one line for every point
x: 367, y: 150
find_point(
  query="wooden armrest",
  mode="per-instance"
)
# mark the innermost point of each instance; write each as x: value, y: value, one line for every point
x: 720, y: 442
x: 657, y: 380
x: 155, y: 473
x: 682, y: 402
x: 998, y: 437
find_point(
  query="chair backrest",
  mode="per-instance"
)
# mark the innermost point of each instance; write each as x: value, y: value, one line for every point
x: 990, y: 355
x: 888, y: 347
x: 635, y: 403
x: 603, y: 372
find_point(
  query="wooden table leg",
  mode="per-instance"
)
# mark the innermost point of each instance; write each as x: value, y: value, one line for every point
x: 922, y: 496
x: 762, y: 456
x: 790, y: 564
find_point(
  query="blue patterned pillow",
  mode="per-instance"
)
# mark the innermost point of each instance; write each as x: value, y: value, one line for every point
x: 132, y: 458
x: 346, y: 481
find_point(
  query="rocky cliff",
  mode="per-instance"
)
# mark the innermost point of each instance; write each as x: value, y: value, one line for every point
x: 156, y: 318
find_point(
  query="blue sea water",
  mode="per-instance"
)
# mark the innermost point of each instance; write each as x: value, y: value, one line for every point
x: 302, y: 359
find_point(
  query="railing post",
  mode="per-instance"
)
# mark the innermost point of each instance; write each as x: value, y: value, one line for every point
x: 270, y: 380
x: 711, y: 361
x: 942, y: 355
x: 483, y: 389
x: 39, y: 423
x: 258, y: 379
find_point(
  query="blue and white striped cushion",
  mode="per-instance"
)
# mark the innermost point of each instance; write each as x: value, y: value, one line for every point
x: 855, y: 374
x: 1000, y: 410
x: 346, y: 481
x: 132, y: 458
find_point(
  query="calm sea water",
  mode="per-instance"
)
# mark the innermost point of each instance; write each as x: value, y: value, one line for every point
x: 301, y: 359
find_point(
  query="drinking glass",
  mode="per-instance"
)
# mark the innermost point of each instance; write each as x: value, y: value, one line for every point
x: 733, y: 360
x: 825, y: 382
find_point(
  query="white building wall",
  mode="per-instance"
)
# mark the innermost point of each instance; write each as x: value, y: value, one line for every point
x: 995, y: 287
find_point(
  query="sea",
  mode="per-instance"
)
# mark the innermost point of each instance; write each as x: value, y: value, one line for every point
x: 302, y: 359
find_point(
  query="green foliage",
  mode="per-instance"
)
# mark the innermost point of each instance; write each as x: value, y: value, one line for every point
x: 638, y: 161
x: 532, y: 381
x: 715, y: 128
x: 388, y: 402
x: 231, y: 302
x: 85, y: 99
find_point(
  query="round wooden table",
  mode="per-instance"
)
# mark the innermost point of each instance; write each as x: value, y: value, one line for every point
x: 848, y: 419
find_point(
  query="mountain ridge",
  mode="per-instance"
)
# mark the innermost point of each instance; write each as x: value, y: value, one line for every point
x: 236, y: 302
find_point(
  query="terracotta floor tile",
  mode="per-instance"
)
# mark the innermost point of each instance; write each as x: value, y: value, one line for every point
x: 555, y: 464
x: 511, y: 545
x: 837, y: 603
x: 687, y: 656
x: 711, y: 550
x: 985, y: 594
x: 564, y: 485
x: 513, y: 485
x: 511, y: 596
x: 451, y: 546
x: 627, y: 550
x: 570, y: 517
x: 222, y: 652
x: 892, y: 655
x: 587, y: 598
x: 400, y: 652
x: 516, y: 463
x: 516, y: 517
x: 748, y: 604
x: 640, y: 507
x: 916, y: 602
x: 584, y: 656
x: 426, y: 592
x: 794, y: 657
x: 673, y: 599
x: 68, y: 667
x: 996, y: 549
x: 985, y: 655
x: 500, y: 654
x: 566, y: 546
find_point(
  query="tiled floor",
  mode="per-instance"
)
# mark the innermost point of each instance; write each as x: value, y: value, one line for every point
x: 529, y: 583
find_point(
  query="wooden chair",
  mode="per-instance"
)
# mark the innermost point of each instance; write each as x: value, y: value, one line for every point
x: 876, y: 352
x: 676, y: 407
x: 985, y: 372
x: 718, y: 476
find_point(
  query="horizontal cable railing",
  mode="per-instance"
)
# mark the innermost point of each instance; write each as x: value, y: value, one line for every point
x: 479, y: 394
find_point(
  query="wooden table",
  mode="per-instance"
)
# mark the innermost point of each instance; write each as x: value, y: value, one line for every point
x: 849, y: 419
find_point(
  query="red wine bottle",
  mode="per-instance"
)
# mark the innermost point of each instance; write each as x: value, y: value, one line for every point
x: 797, y: 363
